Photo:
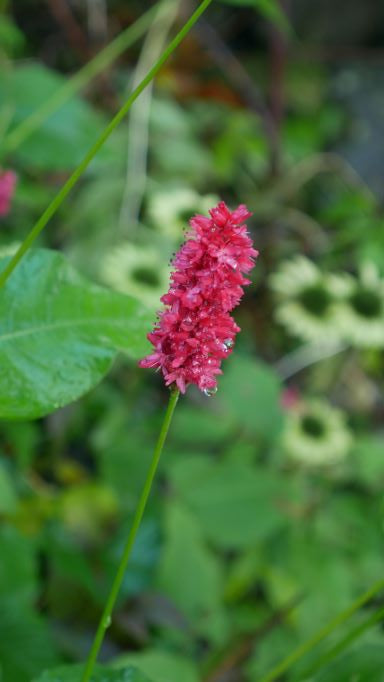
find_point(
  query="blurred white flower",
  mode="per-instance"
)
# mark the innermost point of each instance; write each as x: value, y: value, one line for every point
x: 306, y: 300
x: 169, y: 211
x: 316, y: 434
x: 360, y: 313
x: 136, y: 270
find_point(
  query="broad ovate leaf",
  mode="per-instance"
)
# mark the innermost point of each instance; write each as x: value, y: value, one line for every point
x: 59, y: 334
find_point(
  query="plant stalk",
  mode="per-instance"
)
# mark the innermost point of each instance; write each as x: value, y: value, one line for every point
x: 78, y: 81
x: 106, y: 616
x: 321, y: 634
x: 72, y: 180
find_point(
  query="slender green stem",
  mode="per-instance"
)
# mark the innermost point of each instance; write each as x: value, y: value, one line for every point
x: 72, y: 180
x: 350, y: 637
x: 78, y: 81
x: 107, y: 613
x: 303, y: 649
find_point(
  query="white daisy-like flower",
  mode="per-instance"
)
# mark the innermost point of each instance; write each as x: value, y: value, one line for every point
x: 307, y: 301
x: 316, y: 434
x: 170, y: 210
x: 137, y: 271
x: 360, y: 313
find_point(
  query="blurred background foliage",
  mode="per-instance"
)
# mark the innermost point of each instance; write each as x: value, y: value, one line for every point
x: 267, y: 515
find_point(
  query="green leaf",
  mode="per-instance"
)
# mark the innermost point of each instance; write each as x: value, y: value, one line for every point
x: 8, y: 497
x: 59, y: 334
x: 250, y: 392
x: 369, y: 460
x: 363, y: 664
x: 17, y: 568
x: 72, y: 673
x: 189, y: 573
x: 26, y: 645
x: 195, y: 426
x: 11, y: 38
x: 163, y: 666
x: 235, y: 504
x: 63, y: 139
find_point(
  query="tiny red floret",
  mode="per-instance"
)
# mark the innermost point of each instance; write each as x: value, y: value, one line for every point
x: 7, y: 187
x: 195, y: 330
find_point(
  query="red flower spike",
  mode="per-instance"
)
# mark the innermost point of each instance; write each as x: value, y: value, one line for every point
x: 195, y: 330
x: 7, y: 188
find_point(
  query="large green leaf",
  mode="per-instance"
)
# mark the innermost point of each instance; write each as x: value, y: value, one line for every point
x: 72, y: 673
x: 236, y: 505
x: 59, y: 334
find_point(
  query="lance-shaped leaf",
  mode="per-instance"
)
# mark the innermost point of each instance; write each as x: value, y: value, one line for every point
x: 59, y: 334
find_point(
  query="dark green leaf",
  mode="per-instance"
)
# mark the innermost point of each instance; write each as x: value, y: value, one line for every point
x: 17, y: 568
x: 72, y: 673
x: 26, y: 646
x: 59, y: 334
x: 7, y: 492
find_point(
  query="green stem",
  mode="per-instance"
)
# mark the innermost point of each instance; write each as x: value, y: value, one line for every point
x: 345, y: 642
x: 303, y: 649
x: 72, y: 180
x: 79, y: 80
x: 105, y: 619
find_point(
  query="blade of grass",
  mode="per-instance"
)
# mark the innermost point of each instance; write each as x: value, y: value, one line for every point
x: 106, y: 616
x: 72, y: 180
x: 95, y: 66
x: 321, y: 634
x: 350, y: 637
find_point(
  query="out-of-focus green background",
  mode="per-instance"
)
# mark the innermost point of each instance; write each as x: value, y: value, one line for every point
x: 267, y: 515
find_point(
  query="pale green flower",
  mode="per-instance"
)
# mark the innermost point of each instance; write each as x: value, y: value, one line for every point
x: 136, y: 270
x: 306, y: 301
x: 170, y: 210
x: 360, y: 313
x: 316, y: 434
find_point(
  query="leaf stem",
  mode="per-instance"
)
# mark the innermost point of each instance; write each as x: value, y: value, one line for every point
x: 105, y: 619
x: 321, y: 634
x: 72, y: 180
x: 79, y: 80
